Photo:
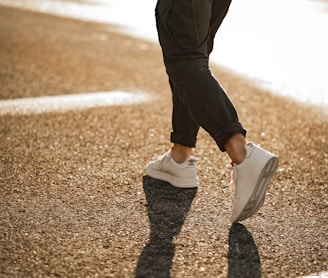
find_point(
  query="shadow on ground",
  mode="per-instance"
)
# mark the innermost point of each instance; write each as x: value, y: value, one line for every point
x: 168, y: 207
x: 243, y: 256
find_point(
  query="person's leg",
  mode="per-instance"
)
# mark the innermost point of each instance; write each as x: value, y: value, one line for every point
x: 235, y: 145
x: 186, y: 52
x: 207, y: 102
x: 184, y: 129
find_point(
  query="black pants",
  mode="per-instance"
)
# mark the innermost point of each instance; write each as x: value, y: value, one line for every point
x: 186, y: 30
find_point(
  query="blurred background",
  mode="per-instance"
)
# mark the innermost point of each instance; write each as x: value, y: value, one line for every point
x: 279, y: 44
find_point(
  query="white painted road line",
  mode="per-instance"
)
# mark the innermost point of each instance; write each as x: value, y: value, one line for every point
x: 320, y: 275
x: 64, y: 103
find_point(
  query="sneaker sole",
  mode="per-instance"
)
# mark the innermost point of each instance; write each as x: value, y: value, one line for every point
x: 175, y: 181
x: 257, y: 198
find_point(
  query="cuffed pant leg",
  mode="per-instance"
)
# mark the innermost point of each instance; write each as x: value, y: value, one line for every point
x: 207, y: 102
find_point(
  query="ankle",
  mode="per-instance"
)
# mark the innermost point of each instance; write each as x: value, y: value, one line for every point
x: 235, y: 148
x: 180, y: 153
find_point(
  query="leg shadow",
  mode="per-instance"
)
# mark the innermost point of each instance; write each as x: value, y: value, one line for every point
x: 243, y: 256
x: 168, y: 207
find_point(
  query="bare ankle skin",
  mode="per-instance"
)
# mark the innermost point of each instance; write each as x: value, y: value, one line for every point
x: 180, y: 153
x: 235, y: 147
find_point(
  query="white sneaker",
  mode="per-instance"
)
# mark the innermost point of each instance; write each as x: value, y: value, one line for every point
x: 250, y: 181
x: 183, y: 175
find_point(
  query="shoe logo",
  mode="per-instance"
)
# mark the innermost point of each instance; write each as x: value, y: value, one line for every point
x: 250, y: 145
x: 191, y: 161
